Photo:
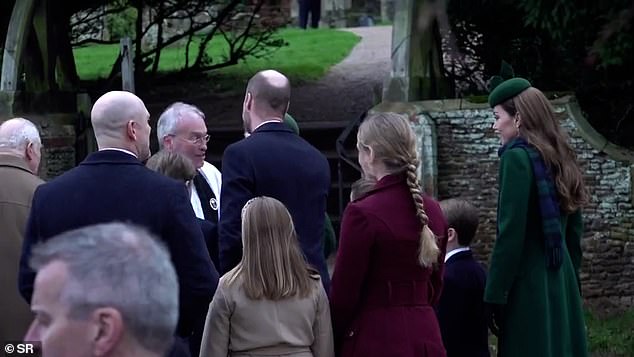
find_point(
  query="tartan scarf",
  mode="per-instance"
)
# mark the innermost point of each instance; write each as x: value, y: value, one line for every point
x: 548, y: 201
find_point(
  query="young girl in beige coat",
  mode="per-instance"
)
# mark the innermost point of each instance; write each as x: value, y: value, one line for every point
x: 272, y: 303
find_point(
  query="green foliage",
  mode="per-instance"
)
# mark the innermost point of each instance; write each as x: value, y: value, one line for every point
x: 567, y: 45
x: 611, y: 336
x: 122, y: 24
x: 308, y: 56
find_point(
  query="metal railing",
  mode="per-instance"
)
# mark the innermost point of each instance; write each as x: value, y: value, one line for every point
x: 344, y: 156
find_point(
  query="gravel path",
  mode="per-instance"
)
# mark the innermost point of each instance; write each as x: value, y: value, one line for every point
x: 350, y: 87
x: 345, y: 92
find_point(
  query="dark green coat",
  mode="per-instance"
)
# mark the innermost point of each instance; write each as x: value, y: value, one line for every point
x: 543, y: 309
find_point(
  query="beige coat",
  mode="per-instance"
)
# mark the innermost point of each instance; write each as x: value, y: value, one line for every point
x: 238, y: 326
x: 17, y: 185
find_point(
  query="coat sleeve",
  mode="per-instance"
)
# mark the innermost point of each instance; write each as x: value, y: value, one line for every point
x: 323, y: 345
x: 516, y: 183
x: 215, y: 341
x: 197, y: 276
x: 574, y: 234
x: 237, y: 189
x: 353, y: 256
x: 26, y: 275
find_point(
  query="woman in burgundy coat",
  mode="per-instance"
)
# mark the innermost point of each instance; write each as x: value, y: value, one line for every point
x: 389, y: 263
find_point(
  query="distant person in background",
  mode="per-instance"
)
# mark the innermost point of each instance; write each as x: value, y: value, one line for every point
x: 20, y: 153
x: 461, y: 311
x: 312, y: 7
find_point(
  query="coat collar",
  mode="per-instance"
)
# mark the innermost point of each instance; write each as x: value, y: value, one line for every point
x: 273, y: 126
x: 384, y: 183
x: 467, y: 254
x: 111, y: 157
x: 15, y: 162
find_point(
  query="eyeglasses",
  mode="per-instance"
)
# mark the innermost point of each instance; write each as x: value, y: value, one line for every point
x: 194, y: 139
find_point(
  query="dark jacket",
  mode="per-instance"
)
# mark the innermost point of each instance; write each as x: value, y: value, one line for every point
x: 275, y: 162
x: 461, y: 312
x: 115, y: 186
x: 381, y: 297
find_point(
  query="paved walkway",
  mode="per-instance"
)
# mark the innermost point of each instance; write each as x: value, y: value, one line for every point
x: 345, y: 92
x: 350, y: 87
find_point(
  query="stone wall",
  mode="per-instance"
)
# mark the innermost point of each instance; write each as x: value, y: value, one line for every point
x: 58, y: 140
x: 460, y: 159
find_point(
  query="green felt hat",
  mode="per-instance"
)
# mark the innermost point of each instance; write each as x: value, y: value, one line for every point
x: 288, y: 120
x: 507, y: 90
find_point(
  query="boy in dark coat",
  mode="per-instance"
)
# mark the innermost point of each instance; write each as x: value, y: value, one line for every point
x: 461, y: 312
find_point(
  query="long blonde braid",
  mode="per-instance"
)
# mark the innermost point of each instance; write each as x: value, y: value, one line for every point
x: 428, y: 249
x: 394, y: 143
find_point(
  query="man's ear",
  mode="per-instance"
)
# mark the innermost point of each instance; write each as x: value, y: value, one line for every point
x: 248, y: 101
x: 109, y: 330
x: 168, y: 142
x: 452, y: 235
x: 131, y: 129
x: 29, y: 151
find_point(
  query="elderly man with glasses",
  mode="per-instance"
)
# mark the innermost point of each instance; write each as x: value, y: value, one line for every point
x: 181, y: 128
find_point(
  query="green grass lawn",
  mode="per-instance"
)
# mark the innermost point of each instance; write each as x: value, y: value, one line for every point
x: 308, y: 56
x: 607, y: 336
x: 612, y: 336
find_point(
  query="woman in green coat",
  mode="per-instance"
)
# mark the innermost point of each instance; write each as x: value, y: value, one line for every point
x: 533, y: 283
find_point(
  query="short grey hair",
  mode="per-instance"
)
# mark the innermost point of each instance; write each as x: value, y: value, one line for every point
x: 169, y: 119
x: 120, y: 266
x: 18, y: 136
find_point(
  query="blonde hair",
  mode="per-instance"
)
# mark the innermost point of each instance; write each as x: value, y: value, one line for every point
x: 361, y: 187
x: 539, y: 126
x: 394, y: 144
x: 272, y: 266
x: 172, y: 164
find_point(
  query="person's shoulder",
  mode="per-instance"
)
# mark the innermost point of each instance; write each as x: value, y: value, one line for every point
x: 516, y: 153
x: 239, y: 146
x: 155, y: 179
x: 209, y: 169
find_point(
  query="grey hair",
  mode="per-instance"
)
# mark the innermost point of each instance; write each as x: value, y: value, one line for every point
x: 120, y: 266
x: 169, y: 119
x: 19, y: 136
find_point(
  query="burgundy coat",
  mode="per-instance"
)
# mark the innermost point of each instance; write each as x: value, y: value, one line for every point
x: 381, y: 298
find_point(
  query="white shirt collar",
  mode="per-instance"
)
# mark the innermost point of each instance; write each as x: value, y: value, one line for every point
x: 122, y: 150
x: 266, y: 122
x: 455, y: 251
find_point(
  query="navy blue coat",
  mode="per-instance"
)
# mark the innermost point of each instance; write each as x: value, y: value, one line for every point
x: 461, y: 313
x: 275, y: 162
x: 114, y: 186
